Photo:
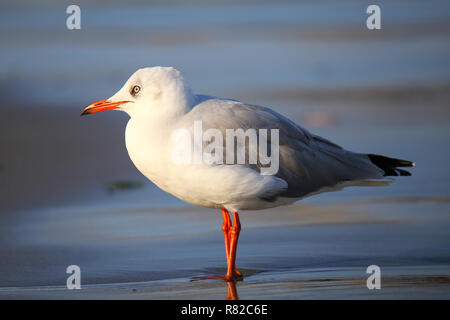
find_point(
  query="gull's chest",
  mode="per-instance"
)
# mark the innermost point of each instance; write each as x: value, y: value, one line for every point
x: 149, y: 149
x: 145, y: 147
x: 150, y: 152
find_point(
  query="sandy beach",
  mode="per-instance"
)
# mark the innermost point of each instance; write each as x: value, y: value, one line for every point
x: 140, y: 244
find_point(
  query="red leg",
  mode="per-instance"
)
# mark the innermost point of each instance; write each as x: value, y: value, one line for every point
x: 226, y: 232
x: 232, y: 272
x: 231, y: 235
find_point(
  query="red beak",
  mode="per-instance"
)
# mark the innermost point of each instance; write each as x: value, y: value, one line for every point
x: 101, y: 105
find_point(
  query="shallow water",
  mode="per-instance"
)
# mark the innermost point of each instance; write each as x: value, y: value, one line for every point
x: 385, y: 93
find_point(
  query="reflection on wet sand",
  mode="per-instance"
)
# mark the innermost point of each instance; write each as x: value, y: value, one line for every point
x: 231, y: 286
x: 218, y: 279
x: 232, y: 291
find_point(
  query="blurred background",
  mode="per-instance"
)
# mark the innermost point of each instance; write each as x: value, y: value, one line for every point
x: 70, y: 195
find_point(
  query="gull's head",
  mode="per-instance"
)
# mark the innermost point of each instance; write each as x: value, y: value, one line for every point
x: 150, y: 92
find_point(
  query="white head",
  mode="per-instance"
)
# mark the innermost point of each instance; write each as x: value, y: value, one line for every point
x: 157, y: 92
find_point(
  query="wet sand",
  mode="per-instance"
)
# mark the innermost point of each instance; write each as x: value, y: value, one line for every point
x: 336, y: 283
x: 308, y: 251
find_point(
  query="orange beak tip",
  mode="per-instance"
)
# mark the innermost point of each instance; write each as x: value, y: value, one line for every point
x: 101, y: 105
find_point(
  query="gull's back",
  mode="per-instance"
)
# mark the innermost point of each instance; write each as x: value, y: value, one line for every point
x: 307, y: 163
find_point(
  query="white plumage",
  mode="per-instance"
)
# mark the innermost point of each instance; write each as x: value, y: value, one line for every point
x: 308, y: 163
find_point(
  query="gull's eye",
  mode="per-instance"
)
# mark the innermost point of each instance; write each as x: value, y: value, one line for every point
x: 135, y: 90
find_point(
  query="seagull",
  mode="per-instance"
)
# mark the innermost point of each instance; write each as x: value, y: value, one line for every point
x: 160, y: 103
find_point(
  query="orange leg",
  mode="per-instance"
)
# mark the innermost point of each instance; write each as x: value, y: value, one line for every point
x: 226, y: 232
x: 231, y: 235
x: 231, y: 248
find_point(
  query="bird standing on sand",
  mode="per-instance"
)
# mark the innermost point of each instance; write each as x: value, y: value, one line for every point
x: 160, y: 103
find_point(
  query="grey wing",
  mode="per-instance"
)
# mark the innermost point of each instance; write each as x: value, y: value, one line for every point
x: 307, y: 162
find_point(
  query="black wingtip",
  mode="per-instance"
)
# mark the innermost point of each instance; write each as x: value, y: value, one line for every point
x: 390, y: 165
